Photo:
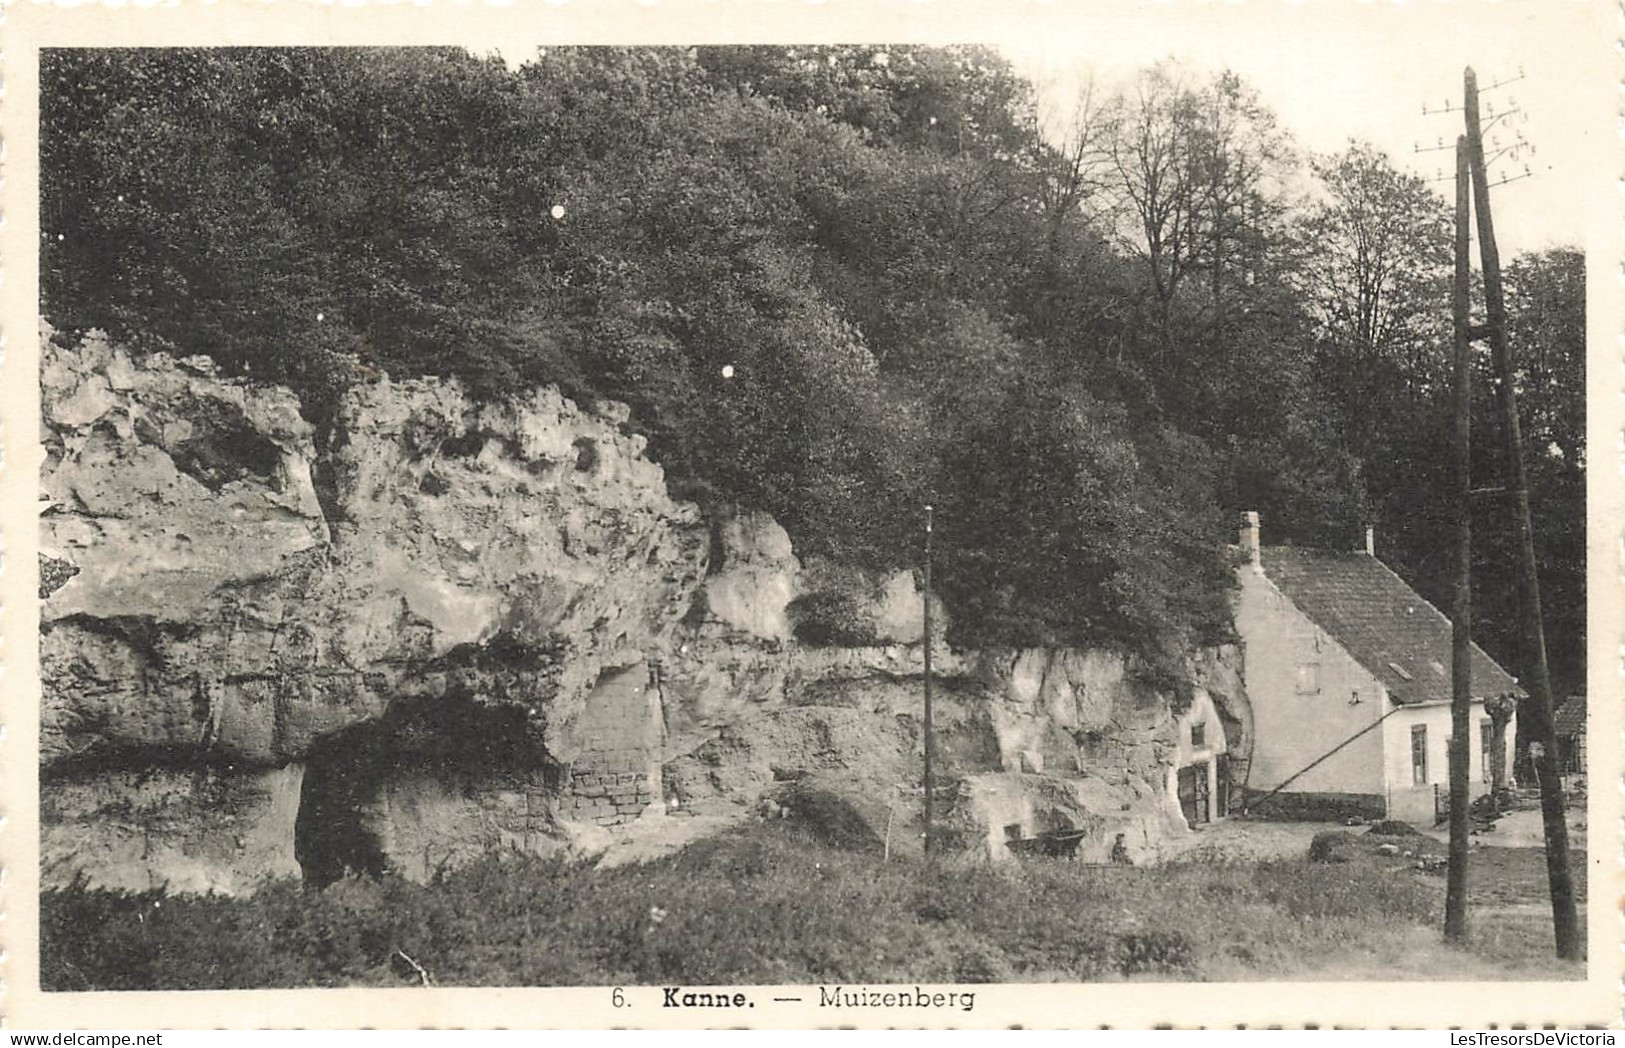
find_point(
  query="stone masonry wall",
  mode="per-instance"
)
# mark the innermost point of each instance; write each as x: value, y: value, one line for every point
x: 615, y: 773
x: 425, y: 823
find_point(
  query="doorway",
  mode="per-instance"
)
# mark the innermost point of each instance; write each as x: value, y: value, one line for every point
x: 1194, y: 797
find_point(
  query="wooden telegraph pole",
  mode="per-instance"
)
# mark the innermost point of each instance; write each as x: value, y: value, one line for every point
x: 1565, y: 921
x: 1461, y: 612
x: 929, y: 830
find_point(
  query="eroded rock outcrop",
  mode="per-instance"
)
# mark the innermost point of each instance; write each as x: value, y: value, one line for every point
x: 441, y: 628
x: 210, y: 613
x: 1026, y: 741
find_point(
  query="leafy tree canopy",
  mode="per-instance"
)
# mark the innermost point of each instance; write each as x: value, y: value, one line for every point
x: 1087, y: 342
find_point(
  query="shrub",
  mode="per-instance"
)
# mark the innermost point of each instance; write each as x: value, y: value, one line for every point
x: 831, y: 818
x: 765, y: 903
x: 831, y: 618
x: 1156, y: 952
x: 1332, y: 846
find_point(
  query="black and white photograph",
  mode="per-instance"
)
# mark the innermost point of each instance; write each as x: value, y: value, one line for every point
x: 779, y: 530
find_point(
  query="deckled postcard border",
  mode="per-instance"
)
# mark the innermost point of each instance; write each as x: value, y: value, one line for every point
x: 29, y: 26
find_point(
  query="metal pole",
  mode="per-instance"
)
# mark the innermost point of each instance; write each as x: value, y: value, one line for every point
x: 1461, y: 658
x: 1565, y: 920
x: 929, y: 830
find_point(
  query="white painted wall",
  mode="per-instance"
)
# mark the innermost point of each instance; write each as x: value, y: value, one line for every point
x: 1214, y: 743
x: 1415, y: 803
x: 1291, y: 729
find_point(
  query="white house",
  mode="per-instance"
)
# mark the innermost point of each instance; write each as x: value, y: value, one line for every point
x: 1347, y: 671
x: 1199, y: 778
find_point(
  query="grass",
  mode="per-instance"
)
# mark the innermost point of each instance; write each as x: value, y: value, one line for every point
x: 769, y: 904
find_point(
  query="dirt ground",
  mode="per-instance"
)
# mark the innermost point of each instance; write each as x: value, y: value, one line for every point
x: 1522, y: 829
x: 1506, y: 872
x: 1240, y: 839
x: 1244, y: 840
x: 651, y: 838
x: 1509, y: 908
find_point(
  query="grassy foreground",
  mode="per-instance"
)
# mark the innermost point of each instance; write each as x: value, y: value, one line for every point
x: 768, y: 904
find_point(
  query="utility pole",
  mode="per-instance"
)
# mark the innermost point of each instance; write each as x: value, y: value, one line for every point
x: 1565, y: 921
x: 929, y: 829
x: 1461, y: 611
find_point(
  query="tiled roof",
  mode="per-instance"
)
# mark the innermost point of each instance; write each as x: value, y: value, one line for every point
x: 1397, y: 636
x: 1570, y: 718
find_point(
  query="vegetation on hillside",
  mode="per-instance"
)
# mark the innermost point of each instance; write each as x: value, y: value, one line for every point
x: 769, y: 903
x: 1087, y: 340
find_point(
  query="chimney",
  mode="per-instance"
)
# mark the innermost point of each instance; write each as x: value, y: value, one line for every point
x: 1370, y: 541
x: 1249, y: 537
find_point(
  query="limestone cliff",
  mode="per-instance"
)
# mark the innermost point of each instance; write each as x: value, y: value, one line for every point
x: 1027, y: 741
x: 442, y: 628
x: 211, y: 620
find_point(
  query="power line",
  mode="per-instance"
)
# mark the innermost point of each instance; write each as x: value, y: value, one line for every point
x: 1511, y: 117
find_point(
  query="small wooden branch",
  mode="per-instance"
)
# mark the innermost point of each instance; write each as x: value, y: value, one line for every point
x: 422, y: 973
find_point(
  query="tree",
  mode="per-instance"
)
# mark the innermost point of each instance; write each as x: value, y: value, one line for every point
x: 1377, y: 249
x: 1546, y: 311
x: 1153, y: 149
x: 1545, y: 296
x: 290, y: 210
x: 1201, y: 169
x: 1082, y: 350
x: 1378, y: 276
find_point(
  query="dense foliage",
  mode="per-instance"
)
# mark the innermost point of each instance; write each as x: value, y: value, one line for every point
x: 838, y: 283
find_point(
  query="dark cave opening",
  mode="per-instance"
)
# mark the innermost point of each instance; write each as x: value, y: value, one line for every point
x: 347, y: 771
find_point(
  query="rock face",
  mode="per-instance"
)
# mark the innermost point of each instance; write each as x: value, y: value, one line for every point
x: 210, y: 612
x: 195, y: 830
x: 443, y: 628
x: 1026, y: 742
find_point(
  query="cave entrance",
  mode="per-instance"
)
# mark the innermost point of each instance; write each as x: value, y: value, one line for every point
x: 351, y: 820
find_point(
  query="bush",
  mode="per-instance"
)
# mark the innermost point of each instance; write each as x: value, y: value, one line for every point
x: 1333, y: 846
x: 1155, y: 952
x: 833, y: 817
x: 831, y: 619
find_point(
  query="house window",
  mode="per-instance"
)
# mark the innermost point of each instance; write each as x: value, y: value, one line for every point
x: 1198, y: 735
x: 1419, y: 755
x: 1486, y: 748
x: 1309, y: 678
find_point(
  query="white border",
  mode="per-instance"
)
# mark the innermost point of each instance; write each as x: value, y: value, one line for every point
x: 29, y: 26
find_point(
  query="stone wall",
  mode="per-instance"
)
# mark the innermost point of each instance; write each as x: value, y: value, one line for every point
x: 426, y: 823
x: 615, y: 772
x: 1037, y: 739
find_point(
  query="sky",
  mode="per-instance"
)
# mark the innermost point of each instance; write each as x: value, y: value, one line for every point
x: 1337, y: 72
x: 1332, y: 71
